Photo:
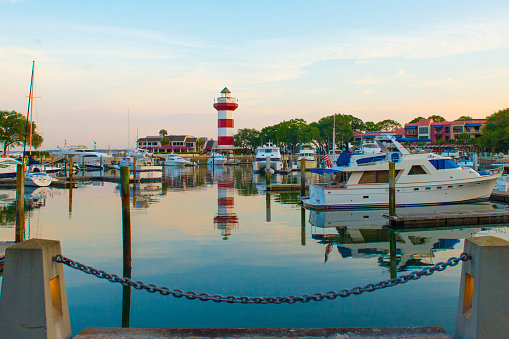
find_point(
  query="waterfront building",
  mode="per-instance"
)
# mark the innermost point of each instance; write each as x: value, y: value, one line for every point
x: 426, y: 130
x: 178, y: 143
x: 225, y: 105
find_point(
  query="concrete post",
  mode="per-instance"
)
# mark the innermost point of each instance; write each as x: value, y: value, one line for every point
x: 483, y: 305
x: 34, y: 299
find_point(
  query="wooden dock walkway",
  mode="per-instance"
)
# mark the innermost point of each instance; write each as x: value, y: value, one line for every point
x: 463, y: 218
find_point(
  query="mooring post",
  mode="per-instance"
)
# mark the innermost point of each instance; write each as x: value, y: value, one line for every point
x: 268, y: 216
x: 71, y: 168
x: 134, y: 167
x: 101, y: 162
x: 126, y: 243
x: 267, y: 170
x: 285, y: 165
x: 83, y: 164
x: 34, y: 298
x: 20, y: 203
x: 483, y: 310
x: 302, y: 177
x: 303, y: 226
x: 392, y: 254
x: 475, y: 160
x: 392, y: 191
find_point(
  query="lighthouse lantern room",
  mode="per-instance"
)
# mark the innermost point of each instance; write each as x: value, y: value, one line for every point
x: 225, y: 105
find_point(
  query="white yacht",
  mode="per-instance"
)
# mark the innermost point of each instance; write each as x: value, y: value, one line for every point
x: 216, y: 159
x: 175, y: 160
x: 92, y: 159
x: 421, y: 179
x: 264, y: 152
x: 308, y: 153
x: 8, y: 167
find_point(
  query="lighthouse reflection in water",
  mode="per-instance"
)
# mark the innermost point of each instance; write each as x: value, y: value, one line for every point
x: 226, y: 220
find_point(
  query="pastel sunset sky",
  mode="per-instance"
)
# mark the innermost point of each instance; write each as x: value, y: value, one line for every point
x: 166, y: 61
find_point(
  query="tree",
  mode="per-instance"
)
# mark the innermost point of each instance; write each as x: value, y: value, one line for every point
x: 165, y: 141
x: 370, y: 126
x: 247, y: 138
x: 199, y: 143
x: 13, y: 127
x: 437, y: 118
x: 495, y: 134
x: 388, y: 125
x: 462, y: 138
x: 163, y: 132
x: 465, y: 117
x: 416, y: 120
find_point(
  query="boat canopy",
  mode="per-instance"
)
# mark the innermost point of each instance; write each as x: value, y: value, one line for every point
x: 324, y: 170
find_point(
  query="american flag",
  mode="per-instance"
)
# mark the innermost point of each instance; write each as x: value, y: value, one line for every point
x: 328, y: 249
x: 326, y: 159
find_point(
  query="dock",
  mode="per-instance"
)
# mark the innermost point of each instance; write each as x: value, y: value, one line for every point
x: 284, y: 187
x: 463, y: 218
x: 428, y: 332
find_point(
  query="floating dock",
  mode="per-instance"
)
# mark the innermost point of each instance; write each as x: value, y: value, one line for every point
x: 428, y: 332
x: 285, y: 187
x: 463, y: 218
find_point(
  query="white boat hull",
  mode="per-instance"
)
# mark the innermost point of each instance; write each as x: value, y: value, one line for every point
x: 326, y: 196
x: 38, y: 179
x: 258, y: 166
x: 308, y: 164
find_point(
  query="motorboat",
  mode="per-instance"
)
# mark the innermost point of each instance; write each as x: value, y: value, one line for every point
x: 216, y: 159
x: 265, y: 152
x: 421, y: 179
x: 173, y: 159
x: 83, y: 155
x: 144, y: 168
x: 38, y: 179
x: 8, y: 167
x: 308, y: 153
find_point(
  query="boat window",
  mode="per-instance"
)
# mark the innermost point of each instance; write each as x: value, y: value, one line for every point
x: 443, y: 164
x: 428, y: 188
x: 416, y: 188
x: 365, y: 196
x: 370, y: 177
x: 449, y: 186
x: 416, y: 169
x: 268, y: 151
x: 439, y: 187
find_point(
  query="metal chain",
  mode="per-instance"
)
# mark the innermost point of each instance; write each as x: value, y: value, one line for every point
x: 177, y: 293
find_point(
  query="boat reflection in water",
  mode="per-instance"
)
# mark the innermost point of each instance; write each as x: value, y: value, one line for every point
x: 226, y: 220
x: 361, y: 234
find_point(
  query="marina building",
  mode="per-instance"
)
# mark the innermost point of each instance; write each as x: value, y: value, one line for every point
x: 178, y: 143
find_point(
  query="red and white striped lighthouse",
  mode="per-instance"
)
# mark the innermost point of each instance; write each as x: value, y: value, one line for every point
x: 225, y: 105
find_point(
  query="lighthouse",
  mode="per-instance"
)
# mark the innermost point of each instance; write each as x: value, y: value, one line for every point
x: 225, y: 105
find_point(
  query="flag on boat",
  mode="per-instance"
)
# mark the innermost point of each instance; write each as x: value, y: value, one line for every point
x: 328, y: 249
x: 326, y: 159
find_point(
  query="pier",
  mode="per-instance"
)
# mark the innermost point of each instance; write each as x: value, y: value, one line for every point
x: 433, y: 219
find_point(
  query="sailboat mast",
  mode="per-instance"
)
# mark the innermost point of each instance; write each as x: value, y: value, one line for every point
x: 334, y: 135
x: 28, y: 110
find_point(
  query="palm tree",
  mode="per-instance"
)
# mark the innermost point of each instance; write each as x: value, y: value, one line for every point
x: 199, y: 143
x: 163, y: 132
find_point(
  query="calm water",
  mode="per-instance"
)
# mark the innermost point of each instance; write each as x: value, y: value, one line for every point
x: 220, y: 232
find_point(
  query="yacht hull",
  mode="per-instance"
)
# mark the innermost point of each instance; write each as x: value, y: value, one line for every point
x: 327, y: 196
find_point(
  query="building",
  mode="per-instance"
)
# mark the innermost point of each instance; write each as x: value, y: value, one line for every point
x: 178, y: 143
x: 447, y: 130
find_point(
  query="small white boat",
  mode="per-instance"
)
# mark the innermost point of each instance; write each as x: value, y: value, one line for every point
x: 308, y: 153
x: 175, y: 160
x: 8, y: 167
x: 268, y: 151
x: 216, y: 159
x: 38, y: 179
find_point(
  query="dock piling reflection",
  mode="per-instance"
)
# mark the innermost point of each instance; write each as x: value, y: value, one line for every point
x: 20, y: 203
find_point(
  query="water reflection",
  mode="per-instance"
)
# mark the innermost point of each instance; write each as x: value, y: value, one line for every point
x: 226, y: 220
x: 363, y: 234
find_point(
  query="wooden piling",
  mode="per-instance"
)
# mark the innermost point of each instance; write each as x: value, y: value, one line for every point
x: 302, y: 177
x: 134, y: 167
x: 126, y: 244
x: 20, y: 203
x: 267, y: 171
x: 392, y: 189
x: 126, y: 217
x: 71, y: 168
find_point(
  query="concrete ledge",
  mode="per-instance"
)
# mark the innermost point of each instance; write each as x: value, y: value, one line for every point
x: 262, y: 333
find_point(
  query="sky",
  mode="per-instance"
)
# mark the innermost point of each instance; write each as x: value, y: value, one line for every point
x: 108, y: 71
